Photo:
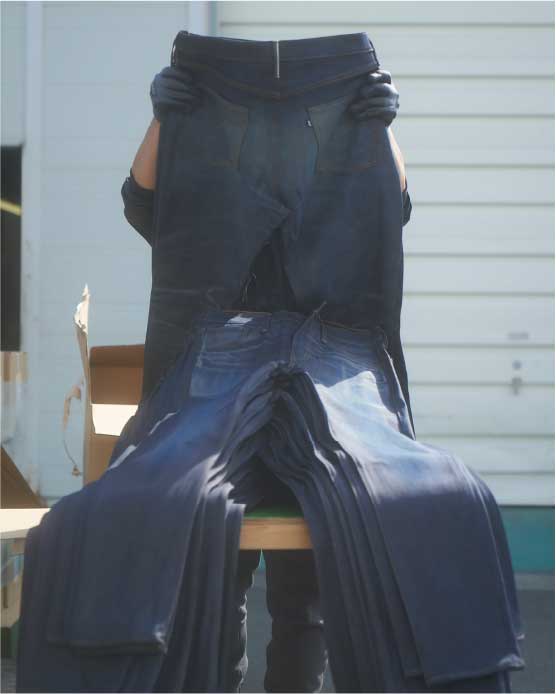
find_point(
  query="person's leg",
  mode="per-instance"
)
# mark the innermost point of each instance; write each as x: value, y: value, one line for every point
x: 247, y: 563
x: 296, y: 655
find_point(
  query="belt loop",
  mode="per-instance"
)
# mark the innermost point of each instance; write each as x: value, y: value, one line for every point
x: 384, y: 336
x: 266, y: 325
x: 201, y: 338
x: 252, y: 277
x: 317, y: 311
x: 210, y: 300
x: 322, y: 324
x: 314, y: 314
x: 277, y: 59
x: 323, y: 337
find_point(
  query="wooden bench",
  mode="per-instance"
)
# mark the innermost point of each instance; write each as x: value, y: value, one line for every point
x: 273, y: 527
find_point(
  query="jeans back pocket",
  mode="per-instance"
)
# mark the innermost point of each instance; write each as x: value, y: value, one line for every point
x: 344, y: 143
x: 227, y: 355
x: 216, y: 130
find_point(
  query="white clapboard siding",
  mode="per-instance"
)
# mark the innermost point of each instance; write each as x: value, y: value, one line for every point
x: 489, y: 230
x: 318, y: 17
x: 473, y: 140
x: 476, y: 127
x: 499, y: 460
x: 470, y: 366
x: 480, y: 275
x: 482, y: 185
x: 478, y: 321
x: 483, y: 410
x: 451, y: 97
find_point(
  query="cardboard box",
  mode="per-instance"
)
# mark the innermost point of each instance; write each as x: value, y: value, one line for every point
x: 113, y: 377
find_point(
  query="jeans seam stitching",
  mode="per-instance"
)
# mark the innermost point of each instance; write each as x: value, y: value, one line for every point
x: 270, y: 61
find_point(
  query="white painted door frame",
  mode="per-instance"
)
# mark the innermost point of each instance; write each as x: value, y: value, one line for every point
x: 31, y: 206
x: 202, y: 17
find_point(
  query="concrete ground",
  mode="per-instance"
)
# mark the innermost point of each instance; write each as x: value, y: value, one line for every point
x: 536, y: 596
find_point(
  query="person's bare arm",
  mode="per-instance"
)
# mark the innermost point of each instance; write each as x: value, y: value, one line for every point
x: 400, y: 164
x: 138, y: 189
x: 144, y: 164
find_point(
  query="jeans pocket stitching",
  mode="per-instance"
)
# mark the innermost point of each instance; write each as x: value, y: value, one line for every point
x: 336, y: 136
x: 217, y: 330
x: 233, y: 122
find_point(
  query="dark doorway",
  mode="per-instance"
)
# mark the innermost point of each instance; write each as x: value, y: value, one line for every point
x: 10, y: 234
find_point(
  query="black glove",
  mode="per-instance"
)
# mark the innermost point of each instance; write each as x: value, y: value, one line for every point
x: 379, y: 98
x: 174, y: 87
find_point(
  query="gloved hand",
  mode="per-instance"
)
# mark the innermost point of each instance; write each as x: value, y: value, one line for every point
x: 174, y: 87
x: 379, y: 98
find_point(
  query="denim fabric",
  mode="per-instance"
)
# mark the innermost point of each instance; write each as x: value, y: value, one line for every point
x: 269, y: 160
x: 134, y: 588
x: 139, y: 203
x: 135, y: 583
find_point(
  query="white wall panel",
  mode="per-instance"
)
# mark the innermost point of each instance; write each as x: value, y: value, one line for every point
x: 97, y: 64
x: 12, y: 46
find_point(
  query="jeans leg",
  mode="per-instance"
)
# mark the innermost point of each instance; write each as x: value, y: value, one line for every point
x: 247, y: 563
x: 296, y: 656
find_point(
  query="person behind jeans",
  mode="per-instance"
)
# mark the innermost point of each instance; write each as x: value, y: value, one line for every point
x: 296, y: 654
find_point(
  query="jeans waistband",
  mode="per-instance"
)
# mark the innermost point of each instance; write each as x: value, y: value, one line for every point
x: 263, y: 319
x: 276, y: 68
x: 250, y: 50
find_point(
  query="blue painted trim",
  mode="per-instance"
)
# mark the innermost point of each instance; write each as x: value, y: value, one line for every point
x: 530, y: 531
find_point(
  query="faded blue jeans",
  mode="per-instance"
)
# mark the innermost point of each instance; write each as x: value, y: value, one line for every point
x: 131, y: 585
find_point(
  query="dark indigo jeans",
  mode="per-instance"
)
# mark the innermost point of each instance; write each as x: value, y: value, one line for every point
x: 273, y: 148
x: 266, y: 155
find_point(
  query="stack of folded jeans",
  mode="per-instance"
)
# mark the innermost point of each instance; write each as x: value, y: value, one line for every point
x: 128, y: 583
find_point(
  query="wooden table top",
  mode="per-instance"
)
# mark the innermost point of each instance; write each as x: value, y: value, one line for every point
x: 267, y: 527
